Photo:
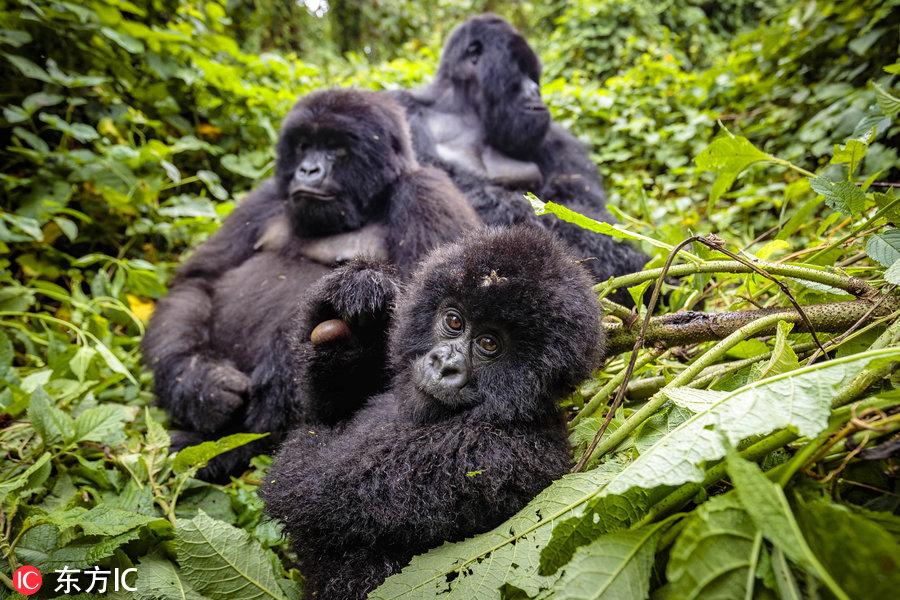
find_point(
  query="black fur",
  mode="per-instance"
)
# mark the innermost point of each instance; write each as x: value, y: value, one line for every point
x: 406, y: 472
x: 489, y: 90
x: 213, y: 342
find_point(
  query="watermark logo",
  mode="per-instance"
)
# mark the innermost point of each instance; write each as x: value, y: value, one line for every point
x: 27, y: 580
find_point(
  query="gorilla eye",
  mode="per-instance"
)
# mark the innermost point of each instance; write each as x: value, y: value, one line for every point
x: 488, y: 344
x: 453, y: 322
x: 340, y: 152
x: 474, y: 51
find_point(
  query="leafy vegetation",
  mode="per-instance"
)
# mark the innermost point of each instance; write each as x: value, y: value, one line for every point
x: 130, y: 129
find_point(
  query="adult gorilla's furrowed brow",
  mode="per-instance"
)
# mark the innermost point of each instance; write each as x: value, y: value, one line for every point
x: 482, y: 121
x: 347, y: 184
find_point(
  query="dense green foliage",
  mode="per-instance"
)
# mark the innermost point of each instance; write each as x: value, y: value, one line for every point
x: 129, y: 129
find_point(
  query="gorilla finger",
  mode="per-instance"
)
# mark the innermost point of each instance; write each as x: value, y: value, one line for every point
x: 329, y: 331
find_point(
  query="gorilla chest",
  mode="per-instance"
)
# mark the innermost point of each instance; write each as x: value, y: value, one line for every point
x: 458, y: 140
x: 330, y: 250
x: 253, y: 299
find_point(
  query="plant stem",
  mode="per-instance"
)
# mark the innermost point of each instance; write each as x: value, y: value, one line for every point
x: 690, y: 327
x: 852, y: 285
x: 684, y: 378
x: 604, y: 393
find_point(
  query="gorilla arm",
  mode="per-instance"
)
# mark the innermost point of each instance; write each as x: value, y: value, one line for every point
x: 296, y: 380
x: 425, y: 210
x: 570, y: 177
x: 200, y: 390
x: 405, y: 485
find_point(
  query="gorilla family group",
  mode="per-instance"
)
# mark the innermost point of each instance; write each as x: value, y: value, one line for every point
x: 390, y: 310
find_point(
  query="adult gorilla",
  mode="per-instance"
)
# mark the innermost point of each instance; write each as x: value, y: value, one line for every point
x: 347, y: 184
x: 482, y: 121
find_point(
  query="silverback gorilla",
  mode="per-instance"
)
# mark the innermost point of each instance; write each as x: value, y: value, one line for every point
x: 482, y: 121
x: 490, y: 333
x: 347, y: 184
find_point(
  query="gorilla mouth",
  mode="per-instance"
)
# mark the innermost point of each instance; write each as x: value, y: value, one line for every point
x: 536, y: 107
x: 302, y: 193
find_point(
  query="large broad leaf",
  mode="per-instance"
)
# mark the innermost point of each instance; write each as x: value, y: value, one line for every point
x: 833, y: 530
x: 102, y: 423
x: 196, y: 457
x: 159, y: 579
x: 727, y: 157
x: 799, y: 400
x: 885, y: 247
x: 222, y: 562
x: 616, y: 565
x: 766, y: 504
x: 476, y: 568
x: 713, y: 555
x: 570, y: 216
x: 843, y: 196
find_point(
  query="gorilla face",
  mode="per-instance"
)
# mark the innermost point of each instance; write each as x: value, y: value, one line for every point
x: 463, y: 354
x: 338, y: 153
x: 494, y: 66
x: 495, y: 326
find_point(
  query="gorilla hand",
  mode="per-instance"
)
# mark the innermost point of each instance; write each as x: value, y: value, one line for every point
x: 221, y: 393
x: 354, y: 299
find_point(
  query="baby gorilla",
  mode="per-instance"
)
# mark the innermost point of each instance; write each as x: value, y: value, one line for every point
x: 489, y: 334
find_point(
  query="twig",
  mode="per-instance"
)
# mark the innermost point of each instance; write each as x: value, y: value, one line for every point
x: 837, y: 340
x: 638, y: 344
x: 852, y: 285
x: 691, y: 327
x: 716, y: 243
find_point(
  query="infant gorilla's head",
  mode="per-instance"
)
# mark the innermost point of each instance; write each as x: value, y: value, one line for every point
x: 496, y: 327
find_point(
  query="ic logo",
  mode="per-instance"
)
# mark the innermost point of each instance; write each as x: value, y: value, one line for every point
x: 27, y: 580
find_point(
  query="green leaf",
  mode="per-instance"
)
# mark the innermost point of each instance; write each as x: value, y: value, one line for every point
x: 884, y: 247
x: 113, y: 363
x: 69, y: 229
x: 213, y: 183
x: 783, y: 358
x: 714, y: 553
x: 79, y: 131
x: 615, y: 565
x: 892, y: 275
x: 160, y: 579
x: 222, y: 562
x: 570, y: 216
x: 51, y: 423
x: 26, y: 479
x: 479, y: 566
x: 836, y: 531
x: 40, y: 100
x: 511, y: 553
x: 196, y: 457
x: 171, y: 170
x: 799, y: 400
x: 888, y: 103
x: 851, y: 154
x: 81, y: 361
x: 843, y: 196
x: 785, y: 582
x: 766, y: 504
x: 28, y: 68
x: 104, y: 423
x: 728, y: 156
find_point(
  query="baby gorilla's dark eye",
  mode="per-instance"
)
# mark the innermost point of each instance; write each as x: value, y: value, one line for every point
x: 453, y: 321
x: 488, y: 344
x: 474, y: 49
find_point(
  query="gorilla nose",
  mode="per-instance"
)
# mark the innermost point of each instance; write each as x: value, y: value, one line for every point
x: 449, y: 367
x: 310, y: 173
